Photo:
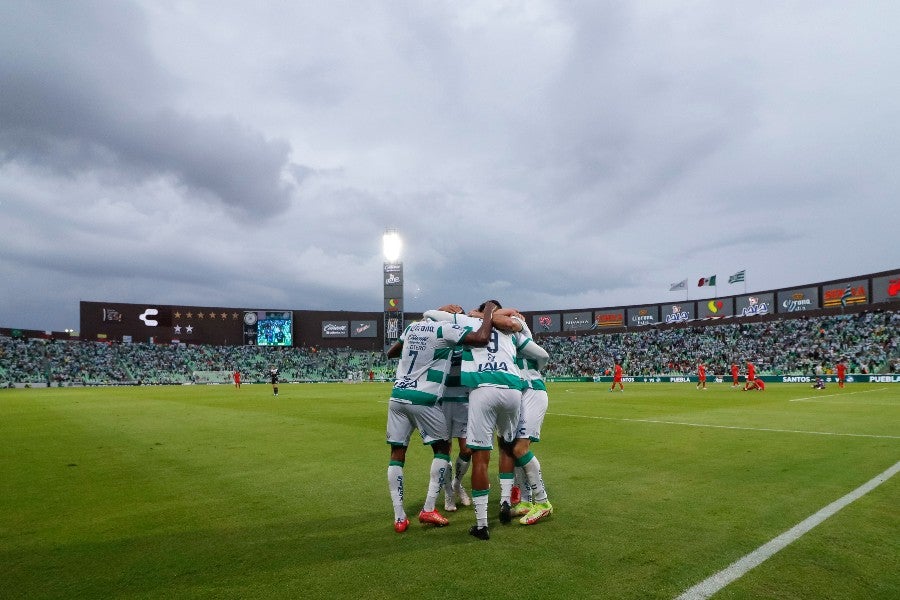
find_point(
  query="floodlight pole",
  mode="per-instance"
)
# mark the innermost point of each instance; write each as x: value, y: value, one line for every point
x: 393, y: 287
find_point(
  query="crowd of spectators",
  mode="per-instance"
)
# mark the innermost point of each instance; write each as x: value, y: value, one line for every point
x: 866, y: 342
x: 102, y: 363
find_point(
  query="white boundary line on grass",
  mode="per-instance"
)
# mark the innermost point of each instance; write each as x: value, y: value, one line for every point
x: 737, y: 569
x: 808, y: 398
x: 863, y: 435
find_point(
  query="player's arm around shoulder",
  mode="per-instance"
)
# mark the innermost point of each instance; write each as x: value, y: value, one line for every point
x: 482, y: 335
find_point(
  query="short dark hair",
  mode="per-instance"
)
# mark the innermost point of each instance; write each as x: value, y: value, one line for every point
x: 481, y: 308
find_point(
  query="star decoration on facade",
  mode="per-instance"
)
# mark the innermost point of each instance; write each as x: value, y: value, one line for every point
x: 189, y: 329
x: 200, y: 315
x: 234, y: 316
x: 189, y: 315
x: 223, y: 316
x: 178, y: 329
x: 177, y: 315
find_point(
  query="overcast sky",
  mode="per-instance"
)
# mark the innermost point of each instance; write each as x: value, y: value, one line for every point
x: 550, y: 154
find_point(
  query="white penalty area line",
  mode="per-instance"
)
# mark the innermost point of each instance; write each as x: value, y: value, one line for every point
x: 660, y: 422
x: 813, y: 398
x: 737, y: 569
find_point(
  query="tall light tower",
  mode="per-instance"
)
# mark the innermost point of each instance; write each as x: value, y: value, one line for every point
x: 393, y: 286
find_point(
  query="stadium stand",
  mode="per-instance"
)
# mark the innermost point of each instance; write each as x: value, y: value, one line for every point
x: 867, y: 341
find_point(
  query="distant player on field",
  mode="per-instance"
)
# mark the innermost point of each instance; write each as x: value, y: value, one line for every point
x: 751, y: 375
x: 735, y: 375
x: 701, y: 376
x: 273, y: 377
x: 237, y: 379
x: 841, y: 369
x: 617, y: 377
x: 756, y: 384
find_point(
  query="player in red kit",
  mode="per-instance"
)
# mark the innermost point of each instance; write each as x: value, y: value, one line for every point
x: 751, y: 375
x: 841, y: 373
x: 701, y: 376
x: 237, y: 379
x: 756, y: 384
x: 617, y: 378
x: 735, y: 375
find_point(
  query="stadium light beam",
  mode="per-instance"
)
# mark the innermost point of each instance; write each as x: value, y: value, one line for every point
x: 392, y: 244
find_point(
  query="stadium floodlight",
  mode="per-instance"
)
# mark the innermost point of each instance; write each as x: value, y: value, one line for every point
x: 392, y: 245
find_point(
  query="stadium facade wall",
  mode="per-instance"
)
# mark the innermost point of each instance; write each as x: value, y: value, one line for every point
x: 218, y: 325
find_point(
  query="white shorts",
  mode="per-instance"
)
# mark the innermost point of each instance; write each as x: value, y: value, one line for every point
x: 457, y: 416
x: 531, y: 418
x: 403, y: 418
x: 492, y: 409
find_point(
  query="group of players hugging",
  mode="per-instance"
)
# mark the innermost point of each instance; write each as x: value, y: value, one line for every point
x: 467, y: 376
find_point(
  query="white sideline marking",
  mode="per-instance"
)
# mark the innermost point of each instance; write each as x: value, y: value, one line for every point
x: 863, y: 435
x: 737, y: 569
x: 829, y: 395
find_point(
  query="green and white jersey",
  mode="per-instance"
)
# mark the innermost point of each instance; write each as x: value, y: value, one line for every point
x: 425, y: 361
x: 455, y: 391
x: 527, y: 365
x: 495, y: 364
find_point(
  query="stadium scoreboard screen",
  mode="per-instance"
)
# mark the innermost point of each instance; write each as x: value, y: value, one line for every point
x: 268, y: 328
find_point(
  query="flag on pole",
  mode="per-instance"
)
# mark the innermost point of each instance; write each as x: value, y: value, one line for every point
x: 708, y: 281
x: 739, y: 276
x: 848, y: 291
x: 681, y: 285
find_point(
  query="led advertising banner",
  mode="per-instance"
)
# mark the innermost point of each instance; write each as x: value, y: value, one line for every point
x: 363, y: 329
x: 578, y: 321
x: 886, y: 289
x: 847, y: 293
x: 609, y: 318
x: 678, y: 313
x: 716, y: 308
x: 754, y: 304
x: 393, y: 305
x: 643, y: 315
x: 548, y: 323
x: 335, y: 329
x: 797, y: 300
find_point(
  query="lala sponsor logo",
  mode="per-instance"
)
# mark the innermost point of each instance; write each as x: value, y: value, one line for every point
x: 678, y: 315
x: 755, y: 307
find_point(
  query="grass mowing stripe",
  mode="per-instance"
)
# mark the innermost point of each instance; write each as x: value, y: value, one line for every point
x: 737, y: 569
x: 808, y: 398
x: 660, y: 422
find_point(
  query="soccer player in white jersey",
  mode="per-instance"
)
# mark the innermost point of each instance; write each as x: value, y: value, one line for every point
x: 536, y: 504
x: 424, y: 350
x: 495, y: 398
x: 455, y: 404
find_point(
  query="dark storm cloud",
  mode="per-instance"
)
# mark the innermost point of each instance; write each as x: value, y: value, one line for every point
x: 83, y: 92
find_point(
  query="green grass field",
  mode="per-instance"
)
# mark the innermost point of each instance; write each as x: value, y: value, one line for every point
x: 211, y: 492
